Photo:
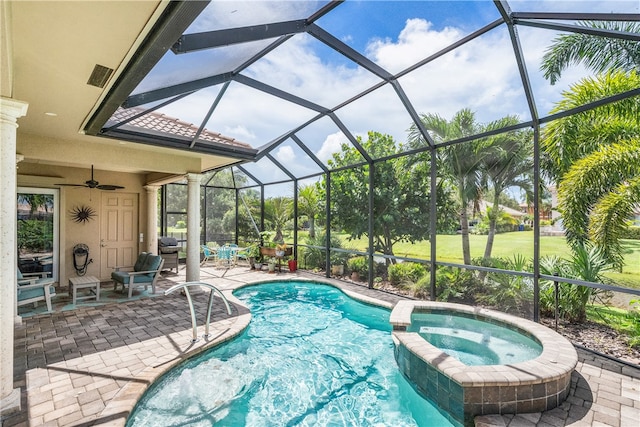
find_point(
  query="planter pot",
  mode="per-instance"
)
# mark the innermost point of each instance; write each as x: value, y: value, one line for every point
x: 337, y: 270
x: 272, y: 267
x: 280, y: 254
x: 258, y: 266
x: 355, y: 276
x: 293, y: 265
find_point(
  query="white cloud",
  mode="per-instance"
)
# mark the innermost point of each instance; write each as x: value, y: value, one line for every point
x: 285, y: 155
x: 481, y: 75
x: 331, y: 145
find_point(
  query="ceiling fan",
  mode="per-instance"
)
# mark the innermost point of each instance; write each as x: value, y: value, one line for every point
x: 92, y: 183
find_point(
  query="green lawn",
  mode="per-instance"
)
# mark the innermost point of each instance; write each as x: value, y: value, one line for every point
x: 449, y: 249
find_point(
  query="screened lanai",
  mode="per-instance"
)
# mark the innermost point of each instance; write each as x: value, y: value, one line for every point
x: 379, y: 127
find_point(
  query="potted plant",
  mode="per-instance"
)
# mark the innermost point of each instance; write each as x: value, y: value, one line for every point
x: 293, y: 264
x: 337, y: 263
x: 281, y: 248
x: 358, y: 266
x: 253, y: 253
x: 271, y: 263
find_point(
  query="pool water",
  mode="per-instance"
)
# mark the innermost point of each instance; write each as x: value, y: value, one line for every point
x: 311, y: 356
x: 472, y: 341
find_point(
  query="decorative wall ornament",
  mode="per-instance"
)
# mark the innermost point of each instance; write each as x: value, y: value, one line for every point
x: 81, y: 214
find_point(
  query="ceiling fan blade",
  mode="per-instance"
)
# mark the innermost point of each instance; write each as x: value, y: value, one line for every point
x: 109, y: 187
x: 72, y: 185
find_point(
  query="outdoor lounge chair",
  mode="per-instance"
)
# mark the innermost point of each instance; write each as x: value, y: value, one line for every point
x: 32, y: 289
x: 145, y: 272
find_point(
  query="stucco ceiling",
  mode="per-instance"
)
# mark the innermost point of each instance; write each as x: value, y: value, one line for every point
x: 50, y: 50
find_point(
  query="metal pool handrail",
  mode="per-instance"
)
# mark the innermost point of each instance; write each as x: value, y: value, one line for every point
x: 186, y: 286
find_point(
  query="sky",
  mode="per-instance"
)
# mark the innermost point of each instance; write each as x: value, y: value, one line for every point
x: 481, y: 75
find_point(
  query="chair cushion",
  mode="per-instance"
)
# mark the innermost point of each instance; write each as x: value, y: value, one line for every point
x: 151, y: 263
x: 123, y: 277
x: 26, y: 294
x: 142, y: 258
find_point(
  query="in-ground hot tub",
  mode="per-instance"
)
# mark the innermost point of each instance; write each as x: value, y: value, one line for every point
x: 537, y: 384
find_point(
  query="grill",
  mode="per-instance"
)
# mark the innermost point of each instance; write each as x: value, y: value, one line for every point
x: 168, y: 249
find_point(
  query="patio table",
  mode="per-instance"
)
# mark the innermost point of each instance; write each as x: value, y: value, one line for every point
x: 85, y: 282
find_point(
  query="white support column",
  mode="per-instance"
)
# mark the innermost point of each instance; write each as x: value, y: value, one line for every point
x: 10, y: 111
x: 193, y: 227
x: 152, y: 218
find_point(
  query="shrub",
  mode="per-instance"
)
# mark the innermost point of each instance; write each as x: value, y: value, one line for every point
x: 406, y: 273
x: 359, y: 264
x: 315, y: 257
x: 455, y: 284
x: 422, y: 288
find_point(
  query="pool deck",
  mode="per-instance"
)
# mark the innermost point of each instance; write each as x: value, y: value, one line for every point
x: 89, y: 366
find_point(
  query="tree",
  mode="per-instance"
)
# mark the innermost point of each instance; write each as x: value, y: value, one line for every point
x: 277, y: 213
x: 461, y: 162
x: 594, y: 158
x: 309, y: 205
x: 507, y: 162
x: 401, y: 194
x: 597, y: 53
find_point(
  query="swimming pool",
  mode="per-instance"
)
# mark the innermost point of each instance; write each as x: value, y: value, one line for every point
x: 310, y: 356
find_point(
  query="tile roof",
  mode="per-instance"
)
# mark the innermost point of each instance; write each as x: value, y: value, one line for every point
x: 158, y: 122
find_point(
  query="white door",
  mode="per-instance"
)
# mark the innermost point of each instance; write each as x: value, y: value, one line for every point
x: 118, y: 231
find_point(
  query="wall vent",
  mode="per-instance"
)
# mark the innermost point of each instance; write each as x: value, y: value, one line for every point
x: 100, y: 76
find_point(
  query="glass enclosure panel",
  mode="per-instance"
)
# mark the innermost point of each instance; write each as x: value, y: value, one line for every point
x: 175, y: 69
x: 247, y: 114
x: 265, y: 171
x: 481, y: 76
x: 325, y: 140
x: 176, y: 198
x: 380, y: 111
x: 278, y: 213
x: 37, y: 230
x: 219, y: 216
x: 309, y: 69
x: 220, y: 15
x: 249, y: 217
x: 297, y: 162
x: 609, y: 6
x: 396, y: 34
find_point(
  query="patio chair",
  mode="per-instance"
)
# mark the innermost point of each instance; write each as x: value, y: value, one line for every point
x: 145, y: 272
x: 209, y: 254
x: 225, y: 257
x: 35, y: 287
x: 242, y: 254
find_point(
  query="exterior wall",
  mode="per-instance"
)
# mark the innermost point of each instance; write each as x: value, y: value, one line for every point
x: 72, y: 233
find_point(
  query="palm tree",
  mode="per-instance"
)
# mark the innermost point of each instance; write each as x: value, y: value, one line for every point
x: 462, y: 162
x: 594, y: 158
x: 277, y: 212
x: 507, y: 162
x: 597, y: 53
x: 309, y: 205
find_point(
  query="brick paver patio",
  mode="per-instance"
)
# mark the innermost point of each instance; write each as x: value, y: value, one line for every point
x: 89, y: 366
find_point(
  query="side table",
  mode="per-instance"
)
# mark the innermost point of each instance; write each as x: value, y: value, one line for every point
x: 85, y: 282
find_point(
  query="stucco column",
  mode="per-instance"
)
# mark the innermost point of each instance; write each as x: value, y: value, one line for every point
x: 152, y: 218
x: 10, y: 111
x: 193, y: 227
